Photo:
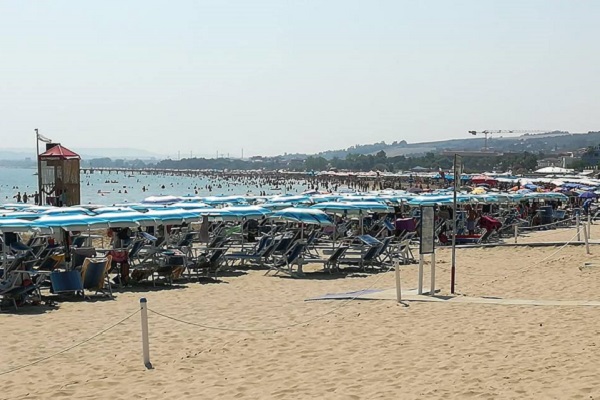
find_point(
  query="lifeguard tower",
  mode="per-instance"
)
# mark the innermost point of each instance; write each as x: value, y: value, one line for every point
x: 59, y: 176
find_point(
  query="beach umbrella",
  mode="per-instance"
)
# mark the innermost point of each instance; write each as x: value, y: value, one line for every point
x: 174, y: 216
x: 247, y: 211
x: 19, y: 226
x: 375, y: 199
x: 128, y: 219
x: 587, y: 195
x: 303, y: 215
x: 19, y: 214
x: 162, y: 199
x: 337, y: 207
x: 291, y: 199
x: 373, y: 206
x: 322, y: 198
x: 276, y: 206
x: 188, y: 205
x: 67, y: 222
x: 67, y: 211
x: 222, y: 200
x: 113, y: 209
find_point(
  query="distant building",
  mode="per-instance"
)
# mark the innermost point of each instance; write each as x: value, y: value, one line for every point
x: 591, y: 156
x: 562, y: 161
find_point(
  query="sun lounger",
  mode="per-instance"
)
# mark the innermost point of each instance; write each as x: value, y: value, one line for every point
x: 286, y: 262
x: 94, y: 274
x: 332, y: 263
x: 369, y: 257
x: 211, y: 264
x: 66, y: 282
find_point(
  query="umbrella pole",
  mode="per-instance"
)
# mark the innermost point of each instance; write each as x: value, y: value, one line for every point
x: 4, y: 253
x: 66, y: 238
x: 243, y: 219
x: 362, y: 225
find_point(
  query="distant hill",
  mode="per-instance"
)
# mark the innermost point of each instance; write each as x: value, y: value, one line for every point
x: 549, y: 142
x: 86, y: 153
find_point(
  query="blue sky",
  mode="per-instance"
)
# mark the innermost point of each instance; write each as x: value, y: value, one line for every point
x: 292, y: 76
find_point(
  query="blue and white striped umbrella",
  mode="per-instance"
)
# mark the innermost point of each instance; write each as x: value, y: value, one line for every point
x: 303, y: 215
x: 67, y: 211
x: 128, y: 219
x: 19, y: 215
x: 19, y: 225
x: 71, y: 222
x: 174, y: 216
x: 248, y: 211
x: 222, y: 200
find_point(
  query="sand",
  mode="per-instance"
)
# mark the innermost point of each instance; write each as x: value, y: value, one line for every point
x: 359, y: 350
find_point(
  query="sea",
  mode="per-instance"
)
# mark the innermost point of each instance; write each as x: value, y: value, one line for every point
x: 116, y: 188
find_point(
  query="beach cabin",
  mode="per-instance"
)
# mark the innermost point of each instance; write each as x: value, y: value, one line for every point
x: 59, y: 176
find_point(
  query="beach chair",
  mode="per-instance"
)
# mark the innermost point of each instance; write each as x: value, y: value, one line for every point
x: 255, y: 253
x: 78, y: 241
x: 66, y: 282
x: 94, y: 275
x: 78, y: 256
x: 286, y: 262
x: 17, y: 285
x: 369, y: 257
x: 172, y: 266
x: 185, y: 243
x: 332, y: 263
x: 134, y: 250
x: 383, y: 254
x: 404, y: 252
x: 51, y: 262
x: 211, y: 264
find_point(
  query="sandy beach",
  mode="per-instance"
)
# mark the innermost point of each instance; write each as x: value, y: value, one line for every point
x: 359, y: 350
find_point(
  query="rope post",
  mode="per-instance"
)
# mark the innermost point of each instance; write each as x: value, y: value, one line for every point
x: 585, y: 238
x: 432, y: 287
x: 420, y: 288
x: 589, y: 228
x: 398, y: 286
x: 145, y: 341
x: 516, y: 232
x: 577, y: 220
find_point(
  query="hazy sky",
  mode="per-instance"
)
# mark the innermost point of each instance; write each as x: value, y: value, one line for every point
x: 292, y: 76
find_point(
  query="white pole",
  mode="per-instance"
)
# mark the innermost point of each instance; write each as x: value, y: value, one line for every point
x: 145, y: 341
x: 578, y: 228
x: 398, y: 286
x: 420, y: 290
x: 589, y: 222
x: 432, y: 290
x: 585, y: 237
x: 516, y: 232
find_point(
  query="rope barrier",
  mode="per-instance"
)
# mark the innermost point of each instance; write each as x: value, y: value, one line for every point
x: 228, y: 329
x: 559, y: 249
x: 542, y: 226
x: 535, y: 234
x: 70, y: 347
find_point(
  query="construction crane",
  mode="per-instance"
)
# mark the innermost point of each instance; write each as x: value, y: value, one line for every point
x: 489, y: 132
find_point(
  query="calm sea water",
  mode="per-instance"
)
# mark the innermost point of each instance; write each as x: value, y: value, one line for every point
x: 110, y: 189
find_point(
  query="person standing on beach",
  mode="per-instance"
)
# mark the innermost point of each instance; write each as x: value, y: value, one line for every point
x: 18, y: 197
x: 25, y: 197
